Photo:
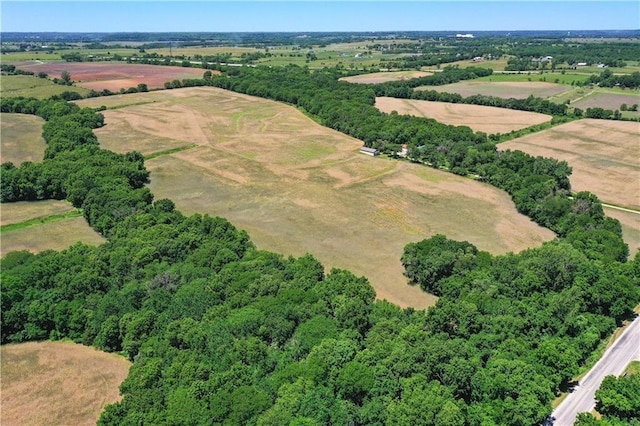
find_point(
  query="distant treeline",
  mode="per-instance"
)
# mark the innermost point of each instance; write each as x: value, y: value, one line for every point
x: 221, y: 332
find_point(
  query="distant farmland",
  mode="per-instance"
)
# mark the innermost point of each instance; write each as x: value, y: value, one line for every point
x: 382, y: 77
x: 114, y: 75
x: 58, y: 383
x: 298, y: 187
x: 500, y: 89
x: 479, y: 118
x: 21, y: 138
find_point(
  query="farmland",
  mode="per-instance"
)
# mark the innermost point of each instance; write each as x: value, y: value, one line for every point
x: 114, y: 75
x: 44, y: 225
x: 298, y: 187
x: 58, y: 383
x: 479, y: 118
x: 33, y: 87
x: 630, y: 223
x: 602, y: 154
x: 500, y: 89
x: 382, y: 77
x: 21, y: 138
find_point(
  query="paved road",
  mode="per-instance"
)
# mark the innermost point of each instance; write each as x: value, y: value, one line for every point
x: 613, y: 362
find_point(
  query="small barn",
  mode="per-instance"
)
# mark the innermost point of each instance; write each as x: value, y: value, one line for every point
x: 369, y: 151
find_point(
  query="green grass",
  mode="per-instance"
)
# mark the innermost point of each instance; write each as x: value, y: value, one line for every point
x: 169, y: 151
x: 34, y: 87
x: 632, y: 369
x: 39, y: 221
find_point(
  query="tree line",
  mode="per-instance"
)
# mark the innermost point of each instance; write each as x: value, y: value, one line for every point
x: 221, y: 332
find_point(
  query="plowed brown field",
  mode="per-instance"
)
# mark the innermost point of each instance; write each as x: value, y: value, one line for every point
x: 114, y: 75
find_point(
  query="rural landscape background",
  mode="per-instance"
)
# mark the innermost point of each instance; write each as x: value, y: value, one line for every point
x: 191, y: 233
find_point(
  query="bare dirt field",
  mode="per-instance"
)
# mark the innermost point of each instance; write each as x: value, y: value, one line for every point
x: 501, y: 89
x: 56, y: 235
x: 479, y: 118
x: 383, y: 77
x: 57, y: 383
x: 114, y: 75
x: 603, y: 154
x: 21, y: 138
x: 298, y: 187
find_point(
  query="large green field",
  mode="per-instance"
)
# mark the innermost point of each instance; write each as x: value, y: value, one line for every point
x: 298, y: 187
x: 34, y: 87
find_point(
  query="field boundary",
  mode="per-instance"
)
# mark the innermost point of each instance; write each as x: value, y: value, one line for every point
x: 169, y: 151
x: 40, y: 221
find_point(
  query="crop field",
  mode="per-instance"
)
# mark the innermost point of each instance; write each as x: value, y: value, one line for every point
x: 382, y: 77
x: 21, y: 138
x: 501, y: 89
x: 33, y: 87
x: 58, y: 383
x: 42, y: 225
x: 114, y: 75
x: 603, y: 154
x: 607, y: 100
x: 298, y: 187
x: 479, y: 118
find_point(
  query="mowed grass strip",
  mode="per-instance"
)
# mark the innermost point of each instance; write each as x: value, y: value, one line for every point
x: 298, y: 187
x: 21, y: 138
x: 24, y: 211
x: 42, y: 225
x: 479, y: 118
x: 58, y: 383
x: 39, y: 221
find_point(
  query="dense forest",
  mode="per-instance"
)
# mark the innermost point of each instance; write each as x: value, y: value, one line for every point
x: 223, y: 333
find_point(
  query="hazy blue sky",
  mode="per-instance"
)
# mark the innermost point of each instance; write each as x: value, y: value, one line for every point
x: 144, y: 16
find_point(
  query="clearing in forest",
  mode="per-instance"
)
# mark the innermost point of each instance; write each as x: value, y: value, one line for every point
x: 479, y: 118
x: 42, y: 225
x: 383, y: 77
x: 21, y: 138
x: 59, y: 383
x: 298, y: 187
x: 501, y: 89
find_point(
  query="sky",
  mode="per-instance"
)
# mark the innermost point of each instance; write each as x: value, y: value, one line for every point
x: 316, y: 15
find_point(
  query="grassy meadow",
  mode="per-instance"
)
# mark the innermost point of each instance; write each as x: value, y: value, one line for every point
x: 21, y: 138
x: 298, y: 187
x: 33, y: 87
x: 57, y: 383
x: 36, y: 226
